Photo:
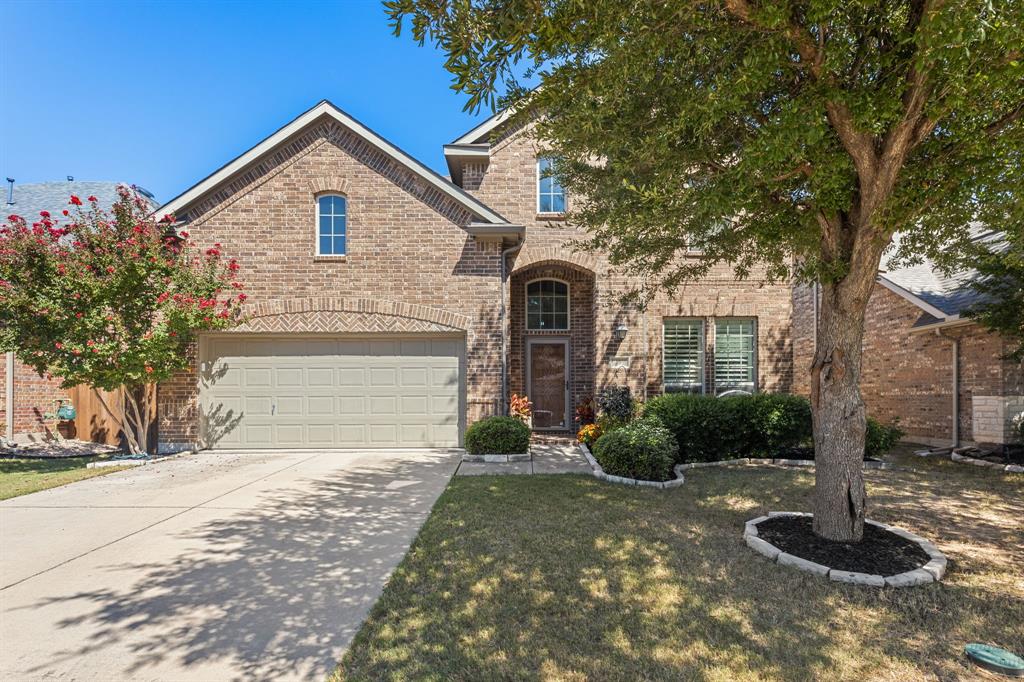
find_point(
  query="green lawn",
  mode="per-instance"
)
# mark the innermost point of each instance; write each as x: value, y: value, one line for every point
x: 570, y: 578
x: 24, y: 476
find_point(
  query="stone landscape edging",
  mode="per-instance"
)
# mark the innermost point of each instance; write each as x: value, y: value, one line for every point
x: 499, y: 459
x: 769, y: 460
x: 1008, y: 468
x: 933, y: 571
x: 598, y: 472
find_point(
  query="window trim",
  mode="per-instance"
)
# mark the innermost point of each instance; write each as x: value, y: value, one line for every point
x: 536, y: 184
x: 526, y: 306
x: 754, y: 352
x: 316, y: 225
x: 702, y: 346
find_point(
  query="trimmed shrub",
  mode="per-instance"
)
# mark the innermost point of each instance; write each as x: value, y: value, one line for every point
x: 643, y: 449
x: 881, y: 438
x: 708, y: 429
x: 498, y: 436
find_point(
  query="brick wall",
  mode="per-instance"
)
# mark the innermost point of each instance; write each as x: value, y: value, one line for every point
x: 509, y: 186
x: 406, y: 253
x: 909, y: 376
x: 33, y: 396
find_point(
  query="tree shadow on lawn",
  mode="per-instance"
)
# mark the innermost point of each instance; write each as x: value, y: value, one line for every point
x: 275, y: 590
x: 570, y: 578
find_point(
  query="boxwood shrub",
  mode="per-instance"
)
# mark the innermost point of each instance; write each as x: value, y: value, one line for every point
x: 498, y: 436
x: 707, y: 428
x: 643, y: 449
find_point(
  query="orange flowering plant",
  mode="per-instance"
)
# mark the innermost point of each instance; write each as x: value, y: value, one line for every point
x: 589, y: 434
x: 520, y: 407
x: 111, y: 299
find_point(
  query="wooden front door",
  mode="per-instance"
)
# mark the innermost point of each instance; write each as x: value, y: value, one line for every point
x: 548, y: 382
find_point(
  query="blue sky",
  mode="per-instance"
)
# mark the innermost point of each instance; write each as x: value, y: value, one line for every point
x: 162, y: 93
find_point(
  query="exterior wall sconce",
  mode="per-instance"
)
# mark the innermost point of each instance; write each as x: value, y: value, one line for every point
x: 620, y: 332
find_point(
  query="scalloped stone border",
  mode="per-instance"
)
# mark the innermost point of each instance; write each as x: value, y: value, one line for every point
x: 933, y: 571
x: 598, y: 472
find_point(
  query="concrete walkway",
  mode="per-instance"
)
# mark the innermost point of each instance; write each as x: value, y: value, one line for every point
x: 214, y: 566
x: 548, y: 458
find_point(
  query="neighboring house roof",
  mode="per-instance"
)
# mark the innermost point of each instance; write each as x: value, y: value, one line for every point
x: 30, y: 199
x: 326, y: 108
x: 943, y: 298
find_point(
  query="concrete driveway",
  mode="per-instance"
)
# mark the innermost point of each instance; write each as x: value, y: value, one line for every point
x: 214, y: 566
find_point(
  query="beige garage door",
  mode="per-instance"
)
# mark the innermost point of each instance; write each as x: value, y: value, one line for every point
x: 320, y: 392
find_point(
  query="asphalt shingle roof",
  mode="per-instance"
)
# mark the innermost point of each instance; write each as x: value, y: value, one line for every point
x: 951, y: 294
x: 30, y: 199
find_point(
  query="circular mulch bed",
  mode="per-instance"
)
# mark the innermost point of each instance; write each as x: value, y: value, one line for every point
x: 881, y: 552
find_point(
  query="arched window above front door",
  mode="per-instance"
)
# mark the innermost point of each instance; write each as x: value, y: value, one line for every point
x: 547, y: 305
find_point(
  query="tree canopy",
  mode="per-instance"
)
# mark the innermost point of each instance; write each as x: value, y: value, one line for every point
x: 752, y: 129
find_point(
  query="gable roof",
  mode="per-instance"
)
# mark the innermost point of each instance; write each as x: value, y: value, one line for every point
x: 31, y: 198
x: 326, y: 108
x: 942, y: 297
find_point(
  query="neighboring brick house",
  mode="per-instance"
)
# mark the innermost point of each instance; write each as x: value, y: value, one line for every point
x: 919, y: 352
x: 390, y: 307
x: 28, y: 398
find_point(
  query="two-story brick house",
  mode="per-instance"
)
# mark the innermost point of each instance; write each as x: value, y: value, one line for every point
x: 390, y: 306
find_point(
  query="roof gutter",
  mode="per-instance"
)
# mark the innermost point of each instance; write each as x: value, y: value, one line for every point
x: 503, y: 315
x: 947, y: 323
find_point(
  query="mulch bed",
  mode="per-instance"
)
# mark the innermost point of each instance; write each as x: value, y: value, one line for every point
x: 879, y: 553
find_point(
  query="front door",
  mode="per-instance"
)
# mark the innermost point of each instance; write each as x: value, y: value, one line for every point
x: 547, y: 382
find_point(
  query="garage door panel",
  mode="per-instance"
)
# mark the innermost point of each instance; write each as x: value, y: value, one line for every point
x: 323, y: 392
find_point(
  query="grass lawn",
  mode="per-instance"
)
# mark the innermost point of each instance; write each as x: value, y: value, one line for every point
x: 570, y: 578
x: 23, y: 476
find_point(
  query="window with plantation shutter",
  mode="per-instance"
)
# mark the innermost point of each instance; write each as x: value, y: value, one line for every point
x: 683, y: 356
x: 735, y: 346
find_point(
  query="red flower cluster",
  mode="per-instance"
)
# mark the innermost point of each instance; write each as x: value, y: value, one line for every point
x: 75, y: 200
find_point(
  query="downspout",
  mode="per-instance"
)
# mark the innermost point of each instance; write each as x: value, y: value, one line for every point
x: 9, y: 393
x: 956, y: 386
x: 505, y: 330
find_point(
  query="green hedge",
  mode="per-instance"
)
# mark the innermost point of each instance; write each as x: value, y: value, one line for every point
x: 880, y: 438
x: 762, y: 425
x: 498, y: 436
x: 709, y: 428
x: 642, y: 449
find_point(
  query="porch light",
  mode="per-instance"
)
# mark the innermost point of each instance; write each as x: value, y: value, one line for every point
x: 620, y: 331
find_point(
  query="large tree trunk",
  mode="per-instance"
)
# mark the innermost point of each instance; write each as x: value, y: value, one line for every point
x: 838, y: 412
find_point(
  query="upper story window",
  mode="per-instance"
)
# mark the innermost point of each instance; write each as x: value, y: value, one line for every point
x: 550, y: 195
x: 735, y: 355
x: 330, y: 231
x: 683, y: 356
x: 547, y: 305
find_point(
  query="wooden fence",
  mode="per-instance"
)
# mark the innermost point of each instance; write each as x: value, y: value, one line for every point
x: 94, y: 423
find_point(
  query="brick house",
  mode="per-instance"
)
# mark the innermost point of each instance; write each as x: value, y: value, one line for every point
x: 942, y: 376
x: 390, y: 306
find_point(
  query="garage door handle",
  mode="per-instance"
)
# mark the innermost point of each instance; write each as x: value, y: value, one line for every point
x: 273, y: 409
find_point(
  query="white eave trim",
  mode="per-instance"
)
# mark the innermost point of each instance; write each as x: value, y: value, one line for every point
x: 495, y: 231
x: 473, y: 205
x: 474, y: 135
x: 913, y: 298
x: 482, y: 151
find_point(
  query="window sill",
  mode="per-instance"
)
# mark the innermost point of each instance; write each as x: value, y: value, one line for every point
x: 550, y: 216
x: 340, y: 258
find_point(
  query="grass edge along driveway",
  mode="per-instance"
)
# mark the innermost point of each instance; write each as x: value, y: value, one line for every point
x: 21, y: 476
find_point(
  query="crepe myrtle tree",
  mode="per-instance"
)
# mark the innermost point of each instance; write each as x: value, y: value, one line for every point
x: 111, y: 300
x: 788, y: 139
